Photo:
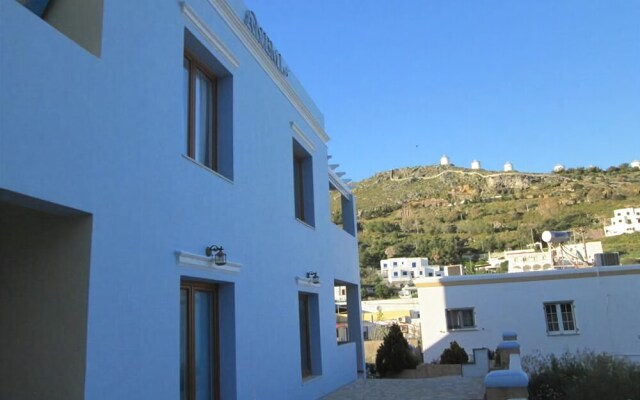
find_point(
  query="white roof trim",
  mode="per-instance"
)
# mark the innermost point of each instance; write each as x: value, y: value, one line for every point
x: 339, y: 184
x: 240, y: 30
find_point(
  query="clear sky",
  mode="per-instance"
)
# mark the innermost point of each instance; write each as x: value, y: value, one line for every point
x: 400, y: 83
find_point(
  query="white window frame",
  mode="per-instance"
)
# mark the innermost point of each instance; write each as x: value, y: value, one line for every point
x: 560, y: 325
x: 449, y: 314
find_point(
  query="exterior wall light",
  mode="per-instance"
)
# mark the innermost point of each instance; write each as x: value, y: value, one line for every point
x: 219, y: 256
x: 313, y: 277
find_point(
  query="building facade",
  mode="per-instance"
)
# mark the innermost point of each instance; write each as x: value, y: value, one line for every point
x: 405, y: 269
x: 625, y: 220
x: 552, y: 311
x: 134, y: 136
x: 565, y: 255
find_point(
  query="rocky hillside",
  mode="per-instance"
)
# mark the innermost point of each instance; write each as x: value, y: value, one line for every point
x: 454, y: 215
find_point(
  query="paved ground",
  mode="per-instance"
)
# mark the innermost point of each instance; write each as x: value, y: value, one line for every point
x: 446, y: 388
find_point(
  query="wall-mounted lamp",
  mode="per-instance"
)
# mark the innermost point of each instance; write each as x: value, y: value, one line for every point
x: 313, y: 277
x: 219, y: 257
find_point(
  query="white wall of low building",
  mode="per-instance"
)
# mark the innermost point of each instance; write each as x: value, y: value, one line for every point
x: 605, y: 300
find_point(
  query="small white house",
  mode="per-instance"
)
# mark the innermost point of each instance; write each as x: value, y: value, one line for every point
x: 635, y: 164
x: 508, y: 167
x: 552, y: 311
x: 444, y: 160
x: 625, y: 220
x: 558, y: 168
x: 398, y: 270
x: 475, y: 164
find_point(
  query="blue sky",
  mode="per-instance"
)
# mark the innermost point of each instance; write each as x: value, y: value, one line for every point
x: 400, y: 83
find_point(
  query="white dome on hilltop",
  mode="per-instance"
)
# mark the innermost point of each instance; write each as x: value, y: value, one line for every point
x: 444, y: 160
x: 475, y: 164
x: 508, y: 167
x: 635, y: 164
x: 558, y: 168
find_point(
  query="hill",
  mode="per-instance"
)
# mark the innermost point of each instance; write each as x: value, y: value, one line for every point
x: 457, y: 215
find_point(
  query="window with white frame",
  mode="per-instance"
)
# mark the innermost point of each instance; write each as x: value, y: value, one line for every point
x: 560, y: 317
x: 460, y: 318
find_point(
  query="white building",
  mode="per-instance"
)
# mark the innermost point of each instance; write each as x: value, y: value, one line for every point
x: 565, y: 255
x: 475, y: 164
x: 398, y: 270
x: 137, y: 138
x: 625, y: 220
x: 635, y: 164
x: 444, y: 160
x: 508, y: 167
x: 552, y: 311
x: 558, y: 168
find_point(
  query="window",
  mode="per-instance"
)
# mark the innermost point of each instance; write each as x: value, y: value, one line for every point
x: 395, y: 273
x: 395, y: 264
x: 309, y: 334
x: 460, y: 318
x: 207, y: 119
x: 384, y: 265
x: 560, y: 317
x: 201, y: 113
x: 303, y: 184
x: 199, y: 360
x: 404, y: 273
x: 346, y: 311
x: 413, y: 264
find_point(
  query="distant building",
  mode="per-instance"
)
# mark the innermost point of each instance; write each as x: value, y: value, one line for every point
x: 444, y: 160
x: 625, y: 220
x: 558, y: 168
x: 508, y: 167
x: 475, y: 164
x: 552, y: 311
x: 398, y: 270
x: 401, y: 270
x: 635, y: 164
x: 575, y: 255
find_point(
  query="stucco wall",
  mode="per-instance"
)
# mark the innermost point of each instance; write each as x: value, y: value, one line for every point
x: 104, y: 135
x: 605, y: 300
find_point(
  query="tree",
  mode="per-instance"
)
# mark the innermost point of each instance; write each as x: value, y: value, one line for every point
x: 394, y: 354
x: 383, y: 291
x: 454, y: 354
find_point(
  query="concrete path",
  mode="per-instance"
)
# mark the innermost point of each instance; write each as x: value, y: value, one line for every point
x: 445, y: 388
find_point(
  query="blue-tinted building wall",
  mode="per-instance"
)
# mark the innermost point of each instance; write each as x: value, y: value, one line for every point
x: 102, y: 133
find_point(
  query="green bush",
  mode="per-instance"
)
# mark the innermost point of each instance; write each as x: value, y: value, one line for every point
x: 582, y: 376
x: 394, y: 354
x: 454, y: 355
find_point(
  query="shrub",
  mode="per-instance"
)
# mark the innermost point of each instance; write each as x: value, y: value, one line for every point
x: 584, y: 376
x: 454, y: 355
x: 394, y: 354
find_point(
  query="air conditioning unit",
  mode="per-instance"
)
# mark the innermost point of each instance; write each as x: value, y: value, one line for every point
x: 606, y: 259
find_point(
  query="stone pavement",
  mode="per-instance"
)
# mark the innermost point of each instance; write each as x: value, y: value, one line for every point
x: 445, y: 388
